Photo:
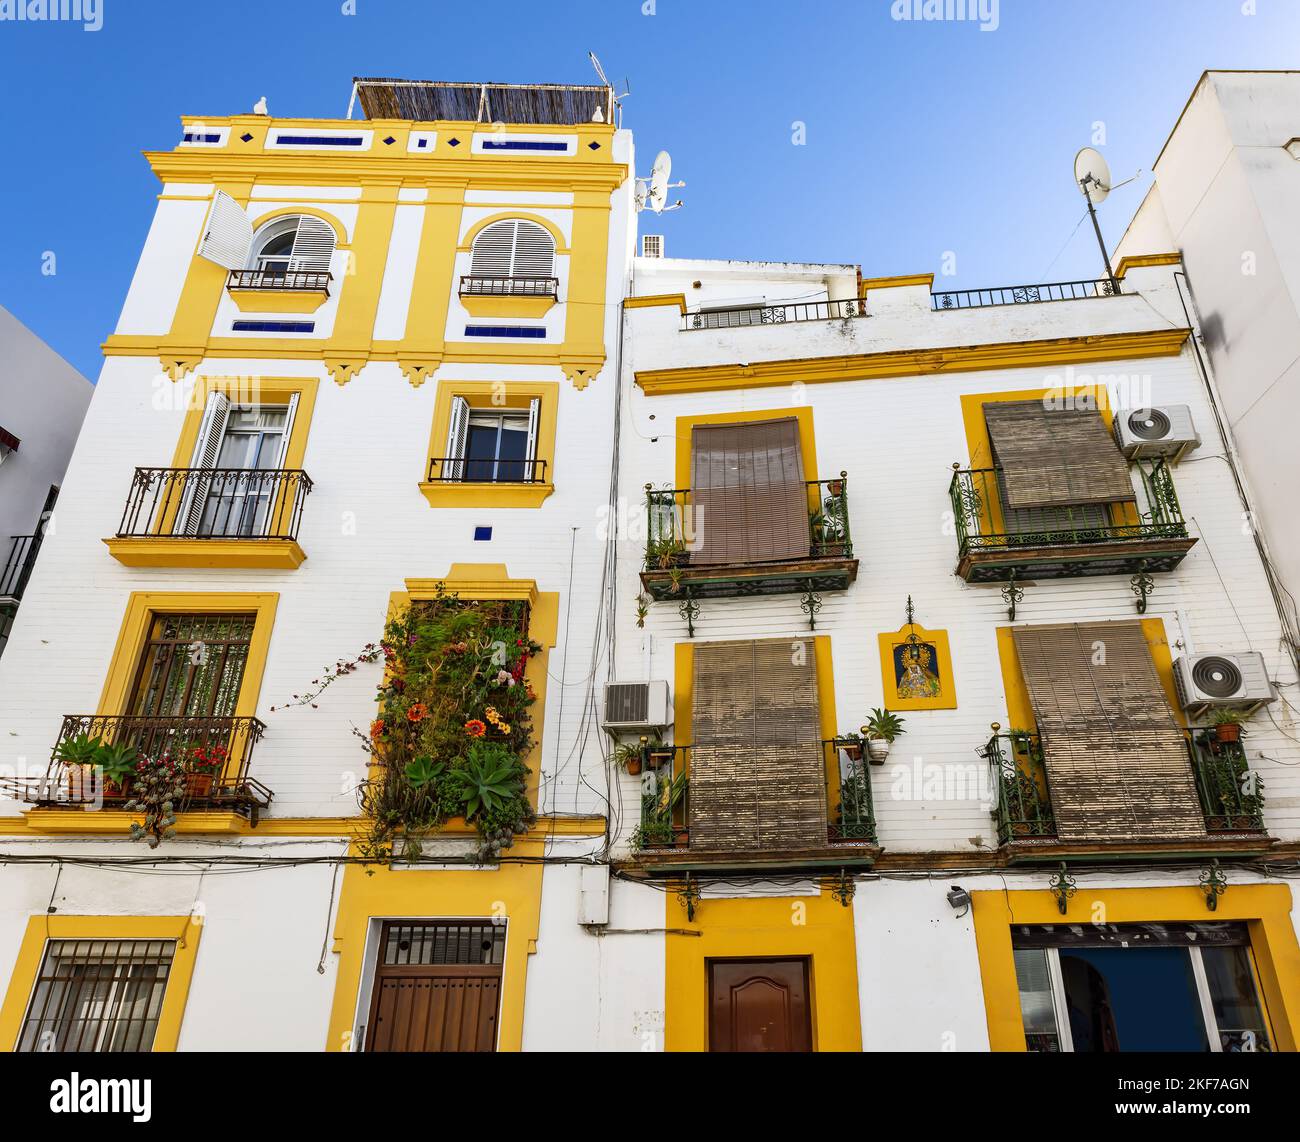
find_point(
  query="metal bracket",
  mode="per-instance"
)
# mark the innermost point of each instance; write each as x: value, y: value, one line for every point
x: 810, y: 605
x: 1012, y: 593
x: 842, y: 889
x: 689, y: 896
x: 689, y: 609
x: 1143, y: 585
x: 1062, y: 886
x: 1214, y: 884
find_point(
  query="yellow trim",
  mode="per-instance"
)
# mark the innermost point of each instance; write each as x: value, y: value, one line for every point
x: 490, y: 395
x: 278, y: 300
x: 165, y: 551
x: 466, y: 243
x: 649, y: 301
x: 512, y: 890
x: 112, y: 821
x: 250, y: 390
x: 143, y: 606
x: 22, y: 980
x: 1020, y: 711
x: 490, y: 305
x: 1053, y: 352
x: 1266, y: 908
x: 869, y: 284
x: 1133, y: 261
x: 946, y: 699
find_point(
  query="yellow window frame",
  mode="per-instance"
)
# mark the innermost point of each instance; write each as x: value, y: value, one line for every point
x: 493, y: 395
x: 41, y: 929
x: 889, y: 641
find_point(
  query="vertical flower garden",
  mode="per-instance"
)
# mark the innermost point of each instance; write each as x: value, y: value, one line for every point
x: 454, y: 726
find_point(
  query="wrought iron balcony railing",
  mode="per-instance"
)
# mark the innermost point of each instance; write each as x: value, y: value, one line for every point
x: 1231, y: 794
x: 215, y: 503
x: 1023, y: 294
x: 280, y: 280
x: 673, y: 535
x: 18, y: 566
x: 458, y: 470
x: 666, y: 801
x: 780, y: 314
x: 482, y: 285
x: 984, y: 522
x: 214, y: 753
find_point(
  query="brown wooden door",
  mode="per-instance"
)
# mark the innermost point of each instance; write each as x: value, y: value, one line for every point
x: 426, y: 1001
x: 759, y: 1005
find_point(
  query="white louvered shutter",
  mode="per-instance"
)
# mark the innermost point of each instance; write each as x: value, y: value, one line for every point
x: 313, y: 246
x: 534, y: 252
x: 493, y: 250
x: 454, y: 466
x: 212, y: 430
x: 534, y: 414
x: 288, y: 431
x: 228, y: 234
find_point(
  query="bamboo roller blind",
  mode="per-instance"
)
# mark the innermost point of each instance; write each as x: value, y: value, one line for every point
x: 1117, y: 763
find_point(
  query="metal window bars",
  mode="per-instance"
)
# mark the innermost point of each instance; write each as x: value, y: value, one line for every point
x: 1022, y: 294
x: 465, y: 470
x: 18, y: 566
x: 779, y: 314
x: 483, y: 285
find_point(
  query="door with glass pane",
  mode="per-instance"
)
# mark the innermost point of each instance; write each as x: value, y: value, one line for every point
x: 239, y: 497
x: 1141, y: 987
x: 97, y: 995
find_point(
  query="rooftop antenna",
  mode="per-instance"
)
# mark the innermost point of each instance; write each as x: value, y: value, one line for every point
x: 653, y: 191
x: 618, y: 99
x: 1092, y: 175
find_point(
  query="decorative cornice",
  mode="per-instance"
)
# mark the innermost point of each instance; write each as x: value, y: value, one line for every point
x: 649, y: 301
x: 1136, y: 260
x: 1057, y: 351
x: 895, y: 282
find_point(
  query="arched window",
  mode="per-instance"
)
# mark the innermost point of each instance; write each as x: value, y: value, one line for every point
x: 298, y: 244
x: 513, y: 248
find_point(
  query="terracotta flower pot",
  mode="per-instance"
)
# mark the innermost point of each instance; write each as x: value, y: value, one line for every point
x: 198, y: 784
x: 1227, y: 732
x: 852, y: 750
x: 634, y: 765
x: 117, y: 791
x: 660, y: 757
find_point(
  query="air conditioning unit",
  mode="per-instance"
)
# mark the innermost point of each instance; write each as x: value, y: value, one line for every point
x: 1235, y: 681
x: 635, y: 706
x: 652, y: 245
x: 1167, y: 431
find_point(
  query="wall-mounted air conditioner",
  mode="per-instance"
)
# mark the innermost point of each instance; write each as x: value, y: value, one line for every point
x: 1235, y: 681
x: 633, y: 707
x: 1166, y: 430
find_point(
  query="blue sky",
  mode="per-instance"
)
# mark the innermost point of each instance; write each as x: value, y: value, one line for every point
x: 920, y: 137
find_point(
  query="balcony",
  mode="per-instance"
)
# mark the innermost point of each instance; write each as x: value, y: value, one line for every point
x: 23, y: 550
x: 845, y: 839
x: 278, y: 290
x: 674, y: 571
x: 1137, y: 539
x: 1023, y: 294
x: 212, y: 517
x: 1230, y: 797
x: 229, y: 789
x: 487, y: 296
x: 742, y: 316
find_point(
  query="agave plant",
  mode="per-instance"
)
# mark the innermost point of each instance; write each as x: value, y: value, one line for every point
x: 488, y: 778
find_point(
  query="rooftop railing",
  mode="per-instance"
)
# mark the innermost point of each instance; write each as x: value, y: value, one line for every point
x: 745, y: 315
x: 1023, y: 294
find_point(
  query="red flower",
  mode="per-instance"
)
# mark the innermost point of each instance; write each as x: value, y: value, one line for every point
x: 417, y: 713
x: 377, y: 728
x: 475, y: 728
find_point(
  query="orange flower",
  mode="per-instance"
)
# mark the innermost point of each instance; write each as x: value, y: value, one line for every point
x: 475, y: 728
x: 377, y: 728
x: 417, y: 713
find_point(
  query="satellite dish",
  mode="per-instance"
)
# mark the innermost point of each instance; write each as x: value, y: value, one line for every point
x: 659, y: 175
x: 1092, y: 175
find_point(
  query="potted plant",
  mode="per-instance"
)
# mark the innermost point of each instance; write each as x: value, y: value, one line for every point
x: 1227, y: 725
x: 158, y: 787
x: 201, y: 769
x: 880, y: 731
x: 851, y: 744
x: 118, y: 762
x: 628, y: 757
x: 79, y: 754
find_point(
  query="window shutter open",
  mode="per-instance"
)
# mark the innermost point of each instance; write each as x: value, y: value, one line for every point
x: 1053, y: 457
x: 758, y: 781
x: 749, y: 499
x: 457, y: 435
x: 212, y: 430
x: 228, y: 235
x: 534, y: 414
x: 313, y: 246
x: 1116, y: 760
x: 288, y: 431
